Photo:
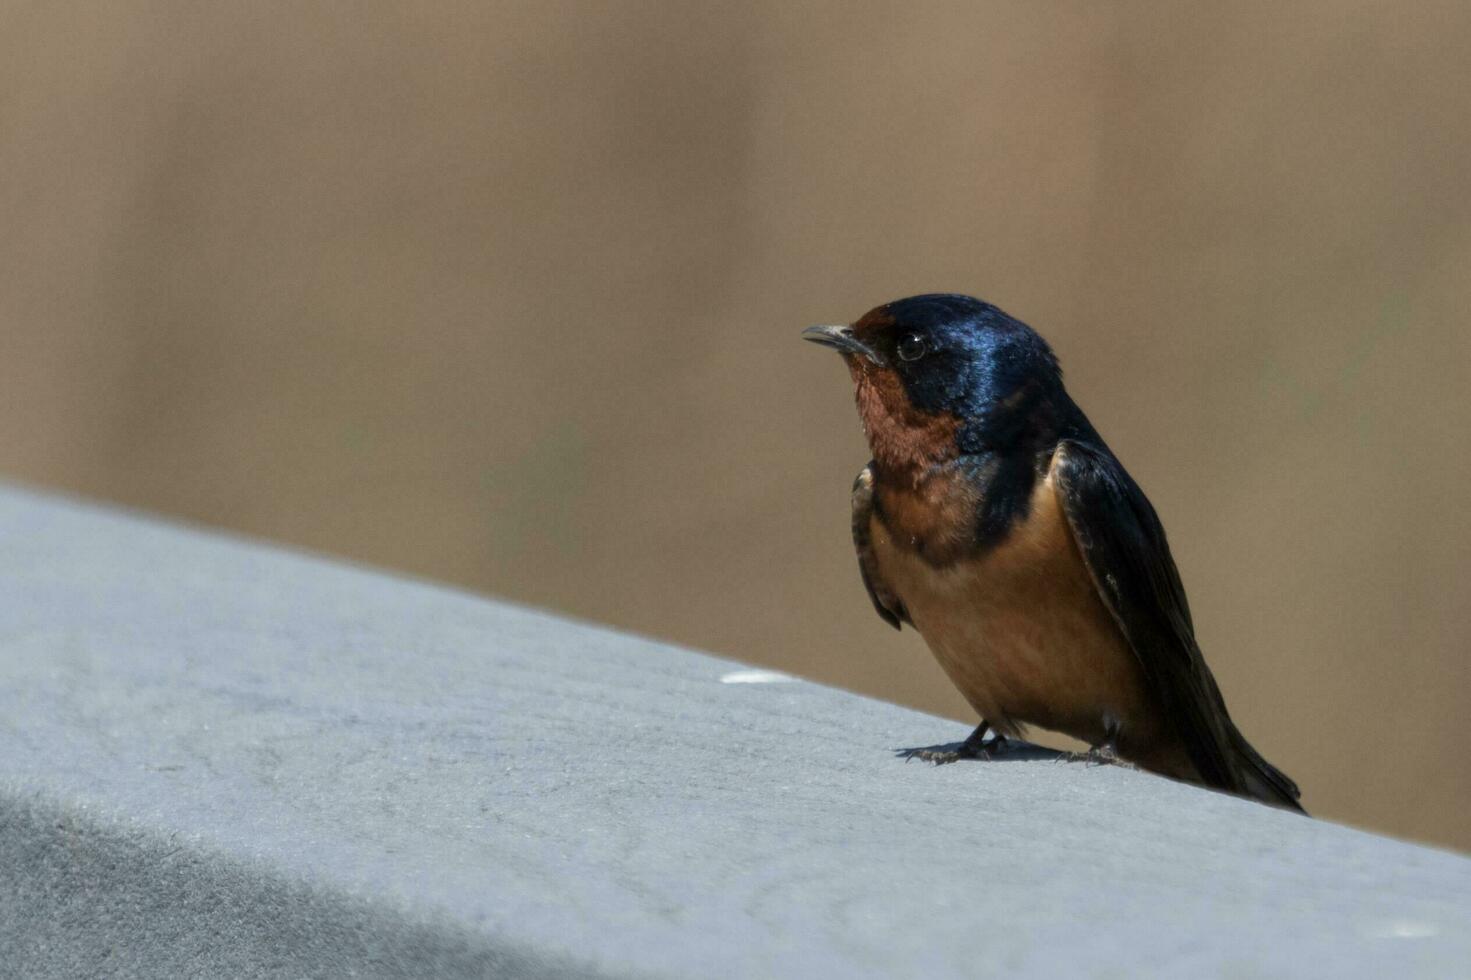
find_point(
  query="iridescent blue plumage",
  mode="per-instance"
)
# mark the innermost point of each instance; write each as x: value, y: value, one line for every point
x: 985, y: 367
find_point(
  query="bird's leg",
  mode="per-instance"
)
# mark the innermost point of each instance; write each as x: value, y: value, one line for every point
x: 975, y: 746
x: 1106, y: 753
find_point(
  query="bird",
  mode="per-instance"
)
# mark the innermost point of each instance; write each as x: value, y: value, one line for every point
x: 995, y: 521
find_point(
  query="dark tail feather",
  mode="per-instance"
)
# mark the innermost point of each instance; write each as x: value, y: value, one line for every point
x: 1264, y: 781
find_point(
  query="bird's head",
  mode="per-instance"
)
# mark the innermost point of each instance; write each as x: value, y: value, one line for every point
x: 943, y: 375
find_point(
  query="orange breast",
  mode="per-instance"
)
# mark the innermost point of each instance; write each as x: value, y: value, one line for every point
x: 1021, y: 631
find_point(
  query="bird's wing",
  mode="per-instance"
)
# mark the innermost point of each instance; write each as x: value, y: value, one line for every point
x: 1124, y: 547
x: 888, y: 605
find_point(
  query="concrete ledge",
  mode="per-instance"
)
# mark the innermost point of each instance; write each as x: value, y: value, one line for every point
x: 218, y: 759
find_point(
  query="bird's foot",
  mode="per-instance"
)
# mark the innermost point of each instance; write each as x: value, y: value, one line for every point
x: 977, y: 746
x: 1098, y: 755
x: 1106, y: 753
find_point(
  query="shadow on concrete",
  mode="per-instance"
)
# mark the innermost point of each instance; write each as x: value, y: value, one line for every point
x: 1010, y: 750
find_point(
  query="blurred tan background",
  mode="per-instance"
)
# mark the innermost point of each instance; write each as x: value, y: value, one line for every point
x: 508, y: 295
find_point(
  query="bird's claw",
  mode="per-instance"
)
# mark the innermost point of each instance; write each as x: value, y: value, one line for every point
x: 937, y: 754
x: 942, y: 754
x: 1098, y: 755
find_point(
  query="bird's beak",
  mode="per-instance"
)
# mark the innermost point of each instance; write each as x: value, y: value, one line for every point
x: 841, y: 339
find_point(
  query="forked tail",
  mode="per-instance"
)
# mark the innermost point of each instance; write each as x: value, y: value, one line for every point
x: 1264, y: 781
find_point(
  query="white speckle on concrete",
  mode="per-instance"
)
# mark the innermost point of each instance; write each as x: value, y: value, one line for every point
x: 755, y: 677
x: 1406, y: 929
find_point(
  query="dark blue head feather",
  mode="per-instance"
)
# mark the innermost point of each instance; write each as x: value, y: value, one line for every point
x: 975, y: 362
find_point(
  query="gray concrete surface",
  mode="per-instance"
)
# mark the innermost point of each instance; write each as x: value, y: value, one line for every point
x: 221, y: 759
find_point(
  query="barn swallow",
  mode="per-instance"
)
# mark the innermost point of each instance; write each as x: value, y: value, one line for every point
x: 995, y: 521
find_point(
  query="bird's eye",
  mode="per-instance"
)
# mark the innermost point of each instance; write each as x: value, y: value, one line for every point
x: 911, y: 348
